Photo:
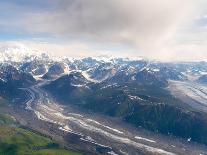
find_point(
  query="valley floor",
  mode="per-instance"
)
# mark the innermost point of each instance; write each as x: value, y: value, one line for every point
x: 94, y: 134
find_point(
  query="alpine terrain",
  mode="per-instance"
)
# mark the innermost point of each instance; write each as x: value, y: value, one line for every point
x: 99, y: 105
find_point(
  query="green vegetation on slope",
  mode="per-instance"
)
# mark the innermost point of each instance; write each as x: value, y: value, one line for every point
x: 54, y: 152
x: 18, y: 141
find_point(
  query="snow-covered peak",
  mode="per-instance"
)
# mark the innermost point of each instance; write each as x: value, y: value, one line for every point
x: 17, y: 52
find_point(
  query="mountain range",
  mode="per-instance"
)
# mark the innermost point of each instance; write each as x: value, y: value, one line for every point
x: 133, y: 91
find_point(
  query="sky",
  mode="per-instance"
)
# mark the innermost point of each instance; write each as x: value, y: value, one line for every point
x: 167, y: 30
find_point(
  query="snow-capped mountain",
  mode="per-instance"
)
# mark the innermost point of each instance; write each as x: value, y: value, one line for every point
x: 99, y: 69
x: 19, y: 53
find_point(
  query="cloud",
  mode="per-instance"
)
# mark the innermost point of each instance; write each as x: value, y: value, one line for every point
x: 72, y: 49
x: 152, y: 27
x: 145, y: 23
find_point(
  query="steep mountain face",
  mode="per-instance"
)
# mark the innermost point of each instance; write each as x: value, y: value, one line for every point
x: 170, y: 73
x: 69, y: 86
x: 12, y: 79
x: 55, y: 70
x: 74, y: 79
x: 149, y: 78
x: 102, y: 72
x: 36, y: 66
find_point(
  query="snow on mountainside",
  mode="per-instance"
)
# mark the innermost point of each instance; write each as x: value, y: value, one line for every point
x: 95, y: 69
x: 18, y: 53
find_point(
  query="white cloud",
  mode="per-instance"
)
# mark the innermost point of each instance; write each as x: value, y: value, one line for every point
x: 151, y: 27
x: 72, y: 49
x: 145, y: 23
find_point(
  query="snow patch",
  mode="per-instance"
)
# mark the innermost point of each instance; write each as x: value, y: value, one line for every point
x: 87, y: 76
x: 112, y: 153
x: 145, y: 139
x: 65, y: 128
x: 134, y: 97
